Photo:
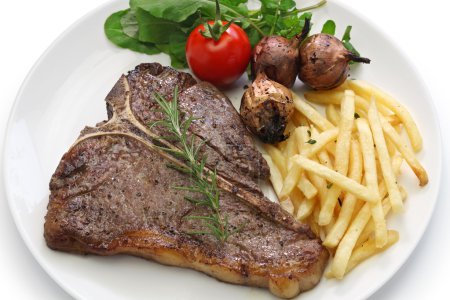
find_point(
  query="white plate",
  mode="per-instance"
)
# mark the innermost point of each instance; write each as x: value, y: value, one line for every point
x: 64, y: 92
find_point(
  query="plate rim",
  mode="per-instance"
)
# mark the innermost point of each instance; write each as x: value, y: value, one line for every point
x: 408, y: 60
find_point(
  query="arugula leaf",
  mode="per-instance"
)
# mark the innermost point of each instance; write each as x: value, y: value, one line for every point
x: 329, y: 27
x: 346, y: 41
x: 114, y: 32
x: 130, y: 24
x: 346, y: 37
x: 178, y: 11
x: 154, y: 26
x: 153, y: 29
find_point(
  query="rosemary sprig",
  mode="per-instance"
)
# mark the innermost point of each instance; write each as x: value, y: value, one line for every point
x: 203, y: 182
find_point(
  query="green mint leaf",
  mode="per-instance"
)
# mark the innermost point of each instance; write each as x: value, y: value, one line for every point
x: 311, y: 141
x: 329, y: 27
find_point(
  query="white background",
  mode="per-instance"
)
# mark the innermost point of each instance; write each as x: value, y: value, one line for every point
x: 420, y: 28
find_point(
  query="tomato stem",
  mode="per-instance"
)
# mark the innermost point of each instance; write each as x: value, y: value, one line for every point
x: 216, y: 31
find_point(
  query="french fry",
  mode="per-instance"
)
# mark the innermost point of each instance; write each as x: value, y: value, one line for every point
x: 371, y: 178
x: 311, y: 114
x: 295, y: 171
x: 393, y: 120
x: 307, y: 188
x: 369, y: 249
x: 325, y: 159
x: 372, y: 152
x: 384, y: 159
x: 290, y: 127
x: 300, y: 119
x: 359, y: 113
x: 366, y: 90
x: 345, y: 247
x: 287, y: 205
x: 291, y: 148
x: 302, y: 135
x: 332, y: 114
x: 277, y: 157
x: 403, y: 148
x: 329, y: 97
x: 348, y: 205
x: 321, y: 141
x: 370, y: 227
x: 305, y: 208
x: 342, y: 154
x: 290, y: 181
x: 297, y: 198
x: 336, y: 178
x: 322, y: 155
x: 331, y: 149
x: 321, y: 186
x: 275, y: 175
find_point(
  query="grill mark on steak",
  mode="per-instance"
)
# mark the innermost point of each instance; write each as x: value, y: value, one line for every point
x: 111, y: 193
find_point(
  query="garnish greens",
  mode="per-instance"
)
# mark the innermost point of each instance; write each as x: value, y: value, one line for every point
x: 154, y: 26
x: 329, y: 27
x: 203, y: 182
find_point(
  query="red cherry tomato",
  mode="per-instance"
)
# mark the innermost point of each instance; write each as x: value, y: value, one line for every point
x: 220, y: 62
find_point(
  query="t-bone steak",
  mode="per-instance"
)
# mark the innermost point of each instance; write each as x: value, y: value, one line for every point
x: 112, y: 192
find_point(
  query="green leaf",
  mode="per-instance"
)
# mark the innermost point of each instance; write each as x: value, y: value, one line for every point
x: 346, y: 41
x: 129, y: 24
x: 329, y: 27
x: 114, y: 32
x: 178, y: 11
x: 253, y: 36
x: 155, y: 30
x: 286, y: 5
x: 346, y: 37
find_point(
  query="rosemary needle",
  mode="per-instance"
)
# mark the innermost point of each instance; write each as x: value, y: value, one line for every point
x: 203, y: 182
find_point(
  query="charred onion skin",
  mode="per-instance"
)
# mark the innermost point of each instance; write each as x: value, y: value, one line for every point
x: 278, y: 58
x: 324, y: 61
x: 266, y: 107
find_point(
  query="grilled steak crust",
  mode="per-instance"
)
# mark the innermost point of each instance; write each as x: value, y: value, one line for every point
x: 112, y: 193
x: 219, y: 123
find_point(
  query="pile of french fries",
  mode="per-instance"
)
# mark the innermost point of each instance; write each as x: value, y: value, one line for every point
x: 338, y: 172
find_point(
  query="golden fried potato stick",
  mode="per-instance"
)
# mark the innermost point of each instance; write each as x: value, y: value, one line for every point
x: 371, y: 178
x: 311, y: 114
x: 277, y: 157
x: 275, y: 175
x: 369, y: 249
x: 367, y: 90
x: 384, y: 159
x: 348, y: 204
x: 345, y: 183
x: 407, y: 153
x: 345, y: 247
x: 342, y: 154
x: 295, y: 171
